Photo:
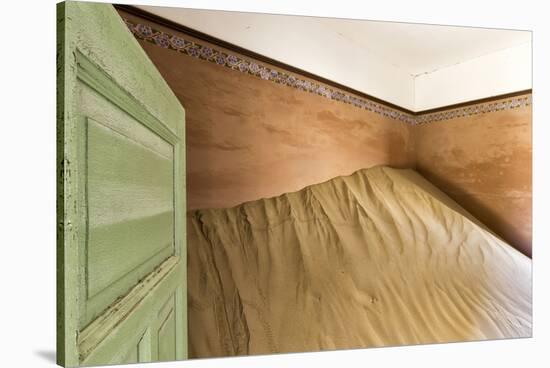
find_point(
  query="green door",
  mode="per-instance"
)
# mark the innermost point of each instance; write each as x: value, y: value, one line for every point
x: 121, y: 197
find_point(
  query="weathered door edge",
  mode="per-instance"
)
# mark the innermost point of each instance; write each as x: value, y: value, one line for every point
x: 75, y: 21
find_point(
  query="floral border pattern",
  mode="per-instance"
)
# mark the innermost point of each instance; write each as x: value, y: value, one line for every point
x: 238, y: 63
x: 253, y: 68
x: 475, y: 109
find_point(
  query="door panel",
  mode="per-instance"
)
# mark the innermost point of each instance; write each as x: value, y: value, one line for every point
x: 121, y: 248
x: 129, y: 197
x: 166, y: 335
x: 132, y: 356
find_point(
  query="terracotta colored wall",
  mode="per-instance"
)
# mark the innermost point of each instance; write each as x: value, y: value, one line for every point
x: 484, y: 163
x: 249, y: 138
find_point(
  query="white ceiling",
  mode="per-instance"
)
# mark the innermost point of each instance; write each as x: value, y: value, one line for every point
x: 427, y: 47
x: 397, y: 62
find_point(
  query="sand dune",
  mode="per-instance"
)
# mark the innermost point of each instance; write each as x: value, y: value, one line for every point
x: 377, y: 258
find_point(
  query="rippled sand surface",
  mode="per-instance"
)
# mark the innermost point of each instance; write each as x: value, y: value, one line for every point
x: 377, y: 258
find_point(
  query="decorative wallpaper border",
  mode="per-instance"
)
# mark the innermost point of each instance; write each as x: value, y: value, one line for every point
x: 475, y: 109
x: 276, y: 75
x: 258, y: 70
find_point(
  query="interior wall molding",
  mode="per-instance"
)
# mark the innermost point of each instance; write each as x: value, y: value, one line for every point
x: 487, y: 105
x: 245, y: 61
x: 251, y: 54
x: 260, y: 70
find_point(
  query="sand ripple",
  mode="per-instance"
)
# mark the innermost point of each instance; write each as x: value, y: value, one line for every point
x: 377, y: 258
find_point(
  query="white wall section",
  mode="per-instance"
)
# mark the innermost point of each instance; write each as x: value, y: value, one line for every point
x: 494, y: 74
x: 415, y: 66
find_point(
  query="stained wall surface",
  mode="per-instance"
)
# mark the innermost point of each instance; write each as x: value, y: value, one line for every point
x: 250, y: 138
x: 484, y: 163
